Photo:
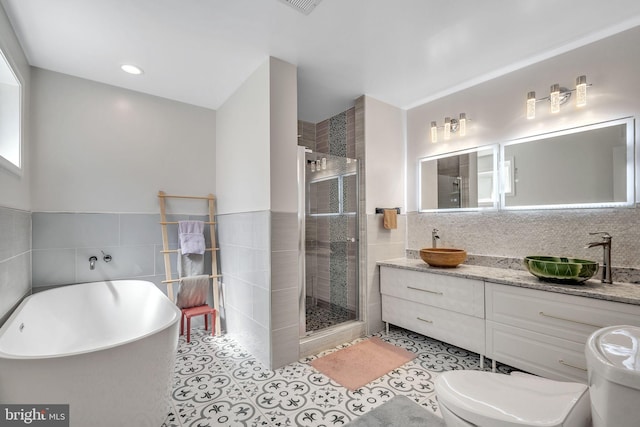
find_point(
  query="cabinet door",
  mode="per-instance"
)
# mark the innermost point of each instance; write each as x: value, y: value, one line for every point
x: 536, y: 353
x: 457, y: 294
x: 445, y: 325
x: 564, y: 316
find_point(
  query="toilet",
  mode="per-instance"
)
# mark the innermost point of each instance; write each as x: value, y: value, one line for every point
x: 612, y: 398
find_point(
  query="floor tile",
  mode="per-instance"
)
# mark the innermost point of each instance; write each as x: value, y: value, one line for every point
x: 218, y: 383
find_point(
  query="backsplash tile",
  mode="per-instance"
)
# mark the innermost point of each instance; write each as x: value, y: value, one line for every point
x: 54, y: 267
x: 70, y: 230
x: 521, y: 233
x: 502, y: 239
x: 64, y: 242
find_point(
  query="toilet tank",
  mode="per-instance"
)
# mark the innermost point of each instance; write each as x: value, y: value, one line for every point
x: 613, y: 363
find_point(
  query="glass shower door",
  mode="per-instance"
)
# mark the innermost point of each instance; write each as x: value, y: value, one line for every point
x: 331, y: 244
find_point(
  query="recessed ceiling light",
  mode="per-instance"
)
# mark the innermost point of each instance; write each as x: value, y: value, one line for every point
x: 131, y: 69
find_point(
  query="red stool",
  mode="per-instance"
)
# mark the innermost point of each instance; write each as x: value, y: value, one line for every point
x: 197, y: 311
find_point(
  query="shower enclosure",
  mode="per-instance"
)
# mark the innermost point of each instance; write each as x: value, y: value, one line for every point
x: 328, y: 214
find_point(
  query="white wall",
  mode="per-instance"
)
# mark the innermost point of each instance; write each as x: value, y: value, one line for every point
x: 99, y: 148
x: 384, y: 152
x: 15, y: 189
x: 497, y: 108
x: 242, y: 152
x: 283, y: 98
x: 256, y: 176
x: 385, y: 155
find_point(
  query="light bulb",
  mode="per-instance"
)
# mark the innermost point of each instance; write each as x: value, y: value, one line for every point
x: 434, y: 132
x: 581, y: 91
x: 531, y: 105
x: 555, y: 98
x: 462, y: 124
x: 131, y: 69
x: 313, y: 166
x: 324, y: 163
x: 447, y: 128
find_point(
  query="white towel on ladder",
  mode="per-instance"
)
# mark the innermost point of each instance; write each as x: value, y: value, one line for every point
x: 191, y: 237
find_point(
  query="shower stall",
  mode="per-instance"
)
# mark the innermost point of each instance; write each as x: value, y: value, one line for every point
x: 328, y: 216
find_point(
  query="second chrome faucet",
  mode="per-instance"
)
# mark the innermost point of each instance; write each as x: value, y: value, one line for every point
x: 606, y: 249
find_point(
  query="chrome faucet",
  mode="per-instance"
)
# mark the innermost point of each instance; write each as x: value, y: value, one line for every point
x: 434, y: 238
x: 92, y: 262
x: 606, y: 261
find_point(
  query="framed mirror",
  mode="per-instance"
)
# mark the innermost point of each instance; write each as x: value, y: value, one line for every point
x: 463, y: 180
x: 589, y: 166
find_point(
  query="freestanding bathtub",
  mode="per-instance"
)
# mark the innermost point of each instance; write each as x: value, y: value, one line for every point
x: 106, y: 348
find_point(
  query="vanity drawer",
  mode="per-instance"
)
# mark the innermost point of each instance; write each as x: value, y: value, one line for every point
x: 454, y: 328
x: 564, y: 316
x: 448, y: 292
x: 536, y: 353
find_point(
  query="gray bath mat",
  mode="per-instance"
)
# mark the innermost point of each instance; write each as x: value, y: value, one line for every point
x: 399, y: 411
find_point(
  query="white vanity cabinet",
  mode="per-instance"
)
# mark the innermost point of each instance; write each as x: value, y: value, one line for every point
x: 444, y: 307
x: 545, y: 333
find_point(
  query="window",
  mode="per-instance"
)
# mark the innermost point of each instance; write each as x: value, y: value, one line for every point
x: 10, y: 108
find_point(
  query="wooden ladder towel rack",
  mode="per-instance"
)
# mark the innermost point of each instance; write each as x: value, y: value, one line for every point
x: 167, y: 252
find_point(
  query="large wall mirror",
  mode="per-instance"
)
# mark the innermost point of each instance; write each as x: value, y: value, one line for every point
x: 583, y: 167
x: 463, y: 180
x: 589, y: 166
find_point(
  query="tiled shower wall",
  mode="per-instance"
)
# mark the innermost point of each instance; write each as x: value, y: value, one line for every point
x: 15, y: 258
x: 331, y: 261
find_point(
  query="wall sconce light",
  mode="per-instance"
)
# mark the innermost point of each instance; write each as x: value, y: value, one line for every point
x: 447, y: 128
x: 450, y: 126
x: 531, y: 105
x: 559, y: 96
x: 434, y: 132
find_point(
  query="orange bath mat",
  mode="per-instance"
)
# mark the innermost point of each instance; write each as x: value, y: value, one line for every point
x: 360, y: 364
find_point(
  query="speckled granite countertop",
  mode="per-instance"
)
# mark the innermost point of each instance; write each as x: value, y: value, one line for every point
x: 621, y: 292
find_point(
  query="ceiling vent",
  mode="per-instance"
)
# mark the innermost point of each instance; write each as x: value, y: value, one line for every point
x: 303, y: 6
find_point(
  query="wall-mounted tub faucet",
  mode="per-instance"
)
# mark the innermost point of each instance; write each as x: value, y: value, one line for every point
x: 92, y: 262
x: 434, y: 238
x: 106, y: 257
x: 606, y: 260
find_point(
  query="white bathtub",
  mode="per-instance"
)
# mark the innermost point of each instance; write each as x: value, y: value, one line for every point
x: 105, y: 348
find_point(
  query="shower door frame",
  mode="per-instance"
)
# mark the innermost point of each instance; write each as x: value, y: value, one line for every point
x: 303, y: 208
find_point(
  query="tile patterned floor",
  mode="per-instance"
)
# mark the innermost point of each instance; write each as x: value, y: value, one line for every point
x: 218, y: 383
x: 325, y: 315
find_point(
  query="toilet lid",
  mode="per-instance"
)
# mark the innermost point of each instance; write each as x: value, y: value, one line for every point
x: 617, y: 349
x: 489, y: 399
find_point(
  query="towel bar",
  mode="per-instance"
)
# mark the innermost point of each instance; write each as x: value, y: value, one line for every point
x: 381, y: 210
x: 211, y: 276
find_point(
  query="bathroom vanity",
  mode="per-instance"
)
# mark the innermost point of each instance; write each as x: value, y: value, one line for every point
x: 505, y: 314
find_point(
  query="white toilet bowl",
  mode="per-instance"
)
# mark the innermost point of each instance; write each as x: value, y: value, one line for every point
x: 613, y: 363
x: 485, y: 399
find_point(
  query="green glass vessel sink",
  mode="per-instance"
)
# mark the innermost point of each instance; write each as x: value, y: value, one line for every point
x: 559, y: 269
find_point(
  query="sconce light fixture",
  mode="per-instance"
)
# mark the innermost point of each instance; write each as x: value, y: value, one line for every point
x: 558, y: 96
x: 450, y: 126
